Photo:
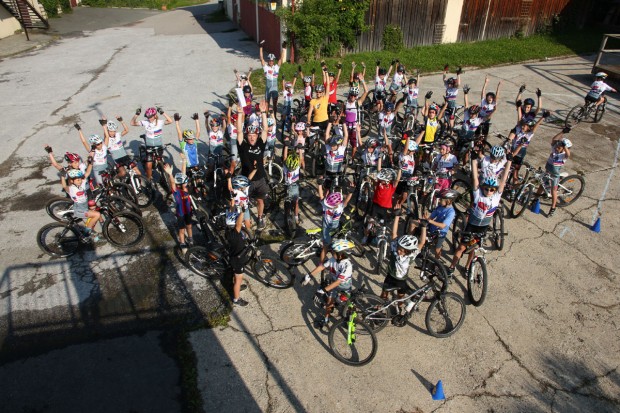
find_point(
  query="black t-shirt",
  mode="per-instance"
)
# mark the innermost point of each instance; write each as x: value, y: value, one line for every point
x: 236, y: 243
x: 250, y: 153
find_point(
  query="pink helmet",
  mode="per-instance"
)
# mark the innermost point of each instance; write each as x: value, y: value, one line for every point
x: 300, y: 126
x: 333, y: 200
x: 150, y: 112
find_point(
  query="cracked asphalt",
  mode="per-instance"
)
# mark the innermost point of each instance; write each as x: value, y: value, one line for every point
x: 545, y: 340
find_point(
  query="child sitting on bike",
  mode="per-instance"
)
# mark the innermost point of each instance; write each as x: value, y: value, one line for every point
x: 493, y: 165
x: 308, y: 87
x: 598, y: 88
x: 352, y: 115
x: 183, y: 205
x: 240, y: 189
x: 444, y: 165
x: 382, y: 206
x: 488, y: 106
x: 406, y: 162
x: 98, y: 151
x: 153, y: 127
x: 237, y: 252
x: 430, y: 124
x: 380, y: 84
x: 340, y: 278
x: 386, y: 120
x: 354, y: 80
x: 188, y: 142
x: 333, y: 207
x: 399, y: 80
x: 441, y: 218
x: 270, y: 148
x: 560, y: 153
x: 287, y: 96
x: 521, y: 137
x: 486, y: 200
x: 335, y: 154
x: 291, y: 178
x: 75, y: 186
x: 74, y: 161
x: 372, y: 154
x: 525, y: 109
x: 410, y: 97
x: 215, y: 126
x: 115, y: 144
x: 452, y: 90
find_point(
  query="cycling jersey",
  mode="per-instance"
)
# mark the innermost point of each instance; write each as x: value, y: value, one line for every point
x: 529, y: 116
x: 288, y: 97
x: 308, y: 93
x: 334, y: 160
x: 117, y: 150
x: 380, y: 84
x: 291, y: 177
x: 271, y: 134
x: 598, y: 88
x: 430, y: 129
x: 486, y: 108
x: 248, y: 109
x: 442, y: 214
x: 154, y: 132
x: 340, y: 271
x: 556, y: 161
x: 351, y: 112
x: 182, y: 202
x: 191, y: 153
x: 451, y: 94
x: 79, y: 197
x: 398, y: 265
x: 398, y: 81
x: 483, y: 208
x: 371, y: 158
x: 407, y: 164
x: 333, y: 86
x: 100, y: 158
x: 241, y: 197
x: 331, y: 217
x: 385, y: 121
x: 445, y: 165
x: 216, y: 140
x: 383, y: 194
x: 412, y: 96
x: 471, y: 124
x: 319, y: 109
x: 521, y: 138
x: 271, y: 77
x: 488, y: 169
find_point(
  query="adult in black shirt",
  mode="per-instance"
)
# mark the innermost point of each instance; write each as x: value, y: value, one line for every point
x: 252, y: 153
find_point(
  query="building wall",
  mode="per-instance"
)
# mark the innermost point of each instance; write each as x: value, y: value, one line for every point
x: 8, y: 24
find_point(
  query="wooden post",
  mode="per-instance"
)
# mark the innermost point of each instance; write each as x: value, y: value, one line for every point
x: 600, y: 53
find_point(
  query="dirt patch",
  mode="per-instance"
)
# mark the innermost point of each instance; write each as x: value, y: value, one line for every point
x: 610, y: 131
x: 33, y: 202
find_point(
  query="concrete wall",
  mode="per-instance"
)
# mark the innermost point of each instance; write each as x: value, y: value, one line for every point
x: 8, y: 24
x: 452, y: 21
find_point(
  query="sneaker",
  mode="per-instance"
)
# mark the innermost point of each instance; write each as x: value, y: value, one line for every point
x: 261, y: 223
x: 450, y: 271
x: 551, y: 213
x: 190, y: 241
x: 243, y: 287
x: 320, y: 322
x: 240, y: 302
x: 183, y: 248
x: 306, y: 280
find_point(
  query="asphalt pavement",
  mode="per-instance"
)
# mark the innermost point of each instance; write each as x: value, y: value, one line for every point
x: 105, y: 330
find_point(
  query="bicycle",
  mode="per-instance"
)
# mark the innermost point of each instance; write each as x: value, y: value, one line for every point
x: 476, y: 269
x: 62, y: 239
x: 157, y: 154
x: 60, y: 208
x: 368, y: 177
x: 141, y: 185
x: 570, y: 189
x: 315, y: 149
x: 584, y: 112
x: 214, y: 264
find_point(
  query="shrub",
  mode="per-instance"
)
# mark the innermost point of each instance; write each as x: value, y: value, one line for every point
x: 51, y: 7
x: 65, y: 5
x: 393, y: 38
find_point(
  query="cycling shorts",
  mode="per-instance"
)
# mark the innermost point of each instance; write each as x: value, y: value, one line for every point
x: 390, y: 282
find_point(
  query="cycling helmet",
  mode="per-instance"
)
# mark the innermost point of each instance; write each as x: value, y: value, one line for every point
x: 95, y: 139
x: 150, y: 112
x: 450, y: 194
x: 240, y: 182
x: 75, y: 173
x: 491, y: 94
x: 386, y: 175
x: 333, y: 200
x: 292, y: 162
x: 319, y: 88
x: 413, y: 145
x: 529, y: 123
x: 474, y: 109
x: 271, y: 56
x: 336, y: 141
x: 188, y: 134
x: 450, y: 80
x: 331, y: 74
x: 288, y: 85
x: 372, y: 143
x: 231, y: 218
x: 307, y: 79
x: 252, y: 129
x: 300, y: 126
x: 528, y: 101
x: 601, y: 75
x: 490, y: 182
x: 497, y: 152
x: 112, y: 126
x: 400, y: 68
x: 565, y: 143
x: 215, y: 121
x: 412, y: 82
x: 354, y: 91
x: 342, y: 245
x: 389, y: 107
x: 234, y: 117
x: 433, y: 107
x: 382, y: 71
x: 247, y: 89
x: 270, y: 122
x: 408, y: 242
x: 180, y: 178
x: 72, y: 157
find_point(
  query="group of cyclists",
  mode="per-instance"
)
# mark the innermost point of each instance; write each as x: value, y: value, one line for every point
x: 428, y: 138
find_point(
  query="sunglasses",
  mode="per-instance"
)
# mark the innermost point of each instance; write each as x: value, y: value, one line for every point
x: 489, y: 189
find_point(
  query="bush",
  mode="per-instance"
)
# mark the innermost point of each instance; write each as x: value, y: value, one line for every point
x: 393, y: 38
x: 65, y: 5
x: 51, y: 7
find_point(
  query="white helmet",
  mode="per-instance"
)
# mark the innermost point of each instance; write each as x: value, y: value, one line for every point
x: 95, y: 139
x: 601, y: 74
x: 386, y: 174
x: 231, y: 218
x: 112, y: 126
x: 408, y: 242
x: 271, y: 56
x: 413, y: 145
x: 180, y: 178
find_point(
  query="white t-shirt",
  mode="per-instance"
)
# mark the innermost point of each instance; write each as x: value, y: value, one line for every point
x: 598, y: 88
x: 79, y: 196
x: 402, y: 263
x: 486, y: 108
x: 216, y: 138
x: 116, y: 146
x: 488, y: 169
x: 291, y: 177
x: 385, y: 120
x: 380, y: 84
x: 407, y: 163
x: 334, y: 159
x: 398, y: 79
x: 332, y: 216
x: 154, y: 132
x: 371, y: 159
x: 445, y: 165
x: 241, y: 196
x: 412, y: 94
x: 484, y: 207
x: 100, y: 158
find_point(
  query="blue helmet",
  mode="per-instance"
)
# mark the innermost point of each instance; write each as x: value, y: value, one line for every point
x: 490, y: 182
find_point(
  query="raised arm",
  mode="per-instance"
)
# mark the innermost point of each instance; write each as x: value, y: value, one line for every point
x: 361, y: 100
x: 282, y: 53
x: 123, y: 124
x: 240, y: 119
x: 263, y: 110
x: 86, y: 145
x: 352, y: 72
x: 197, y: 123
x: 177, y: 118
x: 484, y: 87
x: 502, y: 183
x: 260, y: 54
x: 475, y: 183
x: 134, y: 119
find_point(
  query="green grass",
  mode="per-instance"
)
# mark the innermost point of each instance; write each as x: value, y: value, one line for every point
x: 149, y: 4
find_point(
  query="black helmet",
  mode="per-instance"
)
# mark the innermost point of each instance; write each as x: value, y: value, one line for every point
x: 247, y: 89
x: 382, y: 71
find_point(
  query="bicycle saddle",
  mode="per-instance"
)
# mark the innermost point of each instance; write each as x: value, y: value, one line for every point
x: 313, y: 231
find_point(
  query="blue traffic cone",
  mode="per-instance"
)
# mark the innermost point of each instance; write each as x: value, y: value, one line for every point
x: 536, y: 207
x: 438, y: 392
x: 597, y: 226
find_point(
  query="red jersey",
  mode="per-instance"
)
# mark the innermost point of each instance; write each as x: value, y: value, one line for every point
x: 332, y: 91
x: 383, y: 195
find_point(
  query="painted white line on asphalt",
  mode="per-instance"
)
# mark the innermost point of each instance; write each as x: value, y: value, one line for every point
x: 564, y: 231
x: 597, y: 213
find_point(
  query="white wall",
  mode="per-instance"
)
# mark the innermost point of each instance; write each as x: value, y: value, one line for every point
x: 8, y: 24
x: 452, y: 21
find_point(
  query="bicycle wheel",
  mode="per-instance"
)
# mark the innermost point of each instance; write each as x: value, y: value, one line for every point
x: 289, y: 214
x: 570, y: 189
x: 205, y: 262
x: 364, y: 200
x: 58, y: 239
x: 368, y: 304
x: 274, y: 173
x: 202, y: 218
x: 458, y: 226
x: 598, y: 114
x: 477, y: 281
x: 433, y: 270
x: 464, y: 200
x: 314, y: 163
x: 118, y: 204
x: 445, y: 315
x: 358, y: 250
x: 365, y: 119
x: 297, y: 253
x: 574, y: 116
x: 381, y: 264
x: 123, y: 190
x: 353, y: 343
x: 124, y: 229
x: 60, y: 208
x: 498, y: 228
x: 521, y: 201
x: 163, y: 178
x: 266, y: 271
x: 145, y: 193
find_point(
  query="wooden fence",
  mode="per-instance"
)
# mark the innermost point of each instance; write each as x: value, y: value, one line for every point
x: 268, y: 25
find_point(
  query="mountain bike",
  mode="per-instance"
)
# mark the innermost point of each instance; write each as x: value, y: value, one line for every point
x: 585, y: 111
x: 367, y: 177
x: 570, y: 189
x: 315, y: 148
x: 213, y: 263
x: 476, y: 269
x: 60, y: 208
x: 63, y: 239
x: 157, y: 154
x: 141, y: 185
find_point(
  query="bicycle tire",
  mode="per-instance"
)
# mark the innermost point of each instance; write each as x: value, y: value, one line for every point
x: 206, y: 262
x: 464, y: 200
x: 123, y: 190
x: 274, y: 173
x: 202, y: 218
x: 458, y: 226
x: 368, y: 303
x: 477, y: 282
x: 365, y: 122
x: 124, y: 229
x: 574, y: 116
x: 573, y: 183
x: 117, y: 204
x: 60, y: 208
x: 521, y: 200
x: 266, y: 271
x: 289, y: 254
x: 145, y: 195
x: 58, y: 240
x: 289, y: 217
x: 498, y: 229
x: 445, y: 315
x: 381, y: 257
x: 598, y: 114
x: 364, y: 200
x: 163, y: 178
x: 359, y: 353
x: 435, y: 272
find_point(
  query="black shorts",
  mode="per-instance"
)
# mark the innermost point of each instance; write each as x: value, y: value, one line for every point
x: 345, y: 184
x: 517, y: 160
x: 470, y: 228
x: 150, y: 156
x: 401, y: 188
x: 124, y: 161
x: 322, y: 125
x: 483, y: 129
x: 379, y: 212
x: 185, y: 220
x: 390, y: 282
x: 258, y: 189
x: 590, y: 99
